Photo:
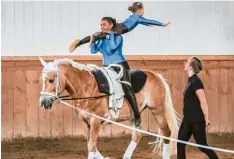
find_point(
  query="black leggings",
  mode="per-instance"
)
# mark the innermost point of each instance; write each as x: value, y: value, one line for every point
x: 119, y: 29
x: 129, y: 92
x: 198, y: 130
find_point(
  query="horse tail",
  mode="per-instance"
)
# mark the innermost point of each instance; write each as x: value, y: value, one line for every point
x: 171, y: 115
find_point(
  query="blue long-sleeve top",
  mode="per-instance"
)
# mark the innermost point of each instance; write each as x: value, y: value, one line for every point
x: 111, y: 49
x: 133, y: 20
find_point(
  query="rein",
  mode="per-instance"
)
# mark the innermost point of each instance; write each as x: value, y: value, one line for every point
x: 67, y: 97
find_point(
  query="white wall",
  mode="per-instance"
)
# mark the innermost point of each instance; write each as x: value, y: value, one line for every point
x: 48, y: 27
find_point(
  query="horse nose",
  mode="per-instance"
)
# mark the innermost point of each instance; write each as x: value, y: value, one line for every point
x: 43, y: 103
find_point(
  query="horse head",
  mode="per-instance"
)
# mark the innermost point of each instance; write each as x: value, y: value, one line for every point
x: 53, y: 83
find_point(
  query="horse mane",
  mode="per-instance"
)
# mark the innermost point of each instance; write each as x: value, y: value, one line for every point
x: 76, y: 65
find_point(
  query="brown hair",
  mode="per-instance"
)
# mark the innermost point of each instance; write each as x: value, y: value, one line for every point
x: 196, y: 64
x: 111, y: 21
x: 135, y: 7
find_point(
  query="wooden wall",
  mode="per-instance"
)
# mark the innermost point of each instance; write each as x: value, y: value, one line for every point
x: 22, y: 116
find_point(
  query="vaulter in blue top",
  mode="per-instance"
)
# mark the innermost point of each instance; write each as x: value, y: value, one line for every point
x: 111, y: 48
x: 126, y: 26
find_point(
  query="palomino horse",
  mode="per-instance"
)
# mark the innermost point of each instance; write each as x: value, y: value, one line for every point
x: 77, y: 80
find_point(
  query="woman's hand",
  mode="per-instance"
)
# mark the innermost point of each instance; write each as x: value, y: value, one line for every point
x: 96, y: 34
x: 166, y: 24
x: 91, y: 39
x: 207, y: 123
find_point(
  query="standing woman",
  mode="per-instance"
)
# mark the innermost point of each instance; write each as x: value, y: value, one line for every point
x: 195, y: 111
x: 127, y: 25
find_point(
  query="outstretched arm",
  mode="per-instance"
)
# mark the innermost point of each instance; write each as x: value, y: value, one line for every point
x: 164, y: 24
x: 149, y: 22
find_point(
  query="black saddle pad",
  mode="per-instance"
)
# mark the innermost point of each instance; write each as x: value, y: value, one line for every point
x: 138, y: 79
x: 102, y: 82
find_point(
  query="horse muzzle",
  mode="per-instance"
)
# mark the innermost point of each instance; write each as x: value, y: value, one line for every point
x: 46, y: 102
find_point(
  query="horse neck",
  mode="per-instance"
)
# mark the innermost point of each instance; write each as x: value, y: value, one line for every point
x: 77, y: 81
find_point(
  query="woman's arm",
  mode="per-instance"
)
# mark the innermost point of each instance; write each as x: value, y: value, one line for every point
x: 148, y: 22
x: 115, y: 41
x: 151, y: 23
x: 204, y: 106
x: 93, y: 46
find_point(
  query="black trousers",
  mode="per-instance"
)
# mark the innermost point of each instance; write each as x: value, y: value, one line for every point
x: 198, y: 130
x: 119, y: 29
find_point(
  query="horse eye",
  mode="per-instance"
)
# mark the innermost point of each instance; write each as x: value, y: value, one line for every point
x: 51, y: 80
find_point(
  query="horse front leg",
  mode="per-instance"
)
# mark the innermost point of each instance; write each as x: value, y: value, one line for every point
x: 87, y: 130
x: 92, y: 143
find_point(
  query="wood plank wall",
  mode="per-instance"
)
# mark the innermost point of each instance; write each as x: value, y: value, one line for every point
x: 21, y: 84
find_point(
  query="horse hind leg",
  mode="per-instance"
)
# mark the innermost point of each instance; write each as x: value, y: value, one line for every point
x: 165, y: 131
x: 136, y: 137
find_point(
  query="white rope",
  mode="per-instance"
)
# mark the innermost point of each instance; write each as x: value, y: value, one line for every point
x: 149, y: 133
x: 89, y: 68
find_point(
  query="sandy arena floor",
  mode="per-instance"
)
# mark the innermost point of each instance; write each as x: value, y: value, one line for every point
x: 75, y: 148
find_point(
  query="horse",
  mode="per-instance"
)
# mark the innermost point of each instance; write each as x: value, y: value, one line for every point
x: 78, y: 81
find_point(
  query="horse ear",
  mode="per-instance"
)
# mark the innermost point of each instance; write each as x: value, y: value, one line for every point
x: 43, y: 63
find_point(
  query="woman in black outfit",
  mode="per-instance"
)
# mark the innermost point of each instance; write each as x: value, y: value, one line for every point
x: 195, y: 111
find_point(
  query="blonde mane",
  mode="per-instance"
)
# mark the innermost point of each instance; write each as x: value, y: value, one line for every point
x: 76, y: 65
